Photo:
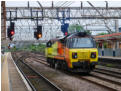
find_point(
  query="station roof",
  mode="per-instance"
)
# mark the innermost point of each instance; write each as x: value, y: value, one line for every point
x: 62, y: 3
x: 109, y: 37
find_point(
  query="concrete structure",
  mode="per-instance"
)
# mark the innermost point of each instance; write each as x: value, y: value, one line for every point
x: 11, y: 79
x: 107, y: 44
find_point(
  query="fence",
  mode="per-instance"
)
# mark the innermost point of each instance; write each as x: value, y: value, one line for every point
x: 109, y: 52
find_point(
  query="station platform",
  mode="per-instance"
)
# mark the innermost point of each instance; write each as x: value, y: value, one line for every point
x: 11, y: 80
x: 109, y: 57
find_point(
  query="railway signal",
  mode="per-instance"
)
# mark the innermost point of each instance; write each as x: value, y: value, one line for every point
x: 66, y: 33
x: 10, y: 31
x: 38, y: 33
x: 64, y: 28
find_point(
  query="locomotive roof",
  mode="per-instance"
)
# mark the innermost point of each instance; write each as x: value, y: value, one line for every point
x: 80, y: 34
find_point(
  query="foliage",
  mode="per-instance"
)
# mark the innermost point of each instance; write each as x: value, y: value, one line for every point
x: 88, y: 31
x: 102, y: 33
x: 77, y: 28
x: 35, y: 48
x: 105, y: 44
x: 38, y: 48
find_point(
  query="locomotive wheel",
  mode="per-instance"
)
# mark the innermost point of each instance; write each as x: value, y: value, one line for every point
x: 56, y: 65
x: 64, y: 66
x: 53, y: 65
x: 50, y: 64
x: 87, y: 73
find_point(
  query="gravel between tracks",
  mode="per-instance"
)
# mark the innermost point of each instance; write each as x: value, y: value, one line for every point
x: 64, y: 81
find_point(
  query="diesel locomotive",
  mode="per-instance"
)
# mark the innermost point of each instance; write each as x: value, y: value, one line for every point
x: 75, y: 52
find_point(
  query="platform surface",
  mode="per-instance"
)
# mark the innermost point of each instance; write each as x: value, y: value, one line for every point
x: 109, y: 57
x: 11, y: 79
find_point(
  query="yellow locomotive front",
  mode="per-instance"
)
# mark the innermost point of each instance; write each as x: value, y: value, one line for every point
x: 83, y: 54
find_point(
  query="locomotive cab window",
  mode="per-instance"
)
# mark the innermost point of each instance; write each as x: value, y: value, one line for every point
x: 83, y: 42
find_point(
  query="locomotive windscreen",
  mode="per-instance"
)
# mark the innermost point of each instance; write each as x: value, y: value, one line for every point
x: 84, y: 42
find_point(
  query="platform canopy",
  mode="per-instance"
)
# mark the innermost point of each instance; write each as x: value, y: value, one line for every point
x: 109, y: 37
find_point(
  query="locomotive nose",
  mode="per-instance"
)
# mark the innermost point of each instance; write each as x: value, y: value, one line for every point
x: 84, y: 55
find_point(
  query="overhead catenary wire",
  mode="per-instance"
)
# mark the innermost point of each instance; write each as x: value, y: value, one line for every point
x: 40, y: 4
x: 109, y: 30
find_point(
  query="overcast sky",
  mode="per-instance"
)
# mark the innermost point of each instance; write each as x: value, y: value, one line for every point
x: 57, y: 3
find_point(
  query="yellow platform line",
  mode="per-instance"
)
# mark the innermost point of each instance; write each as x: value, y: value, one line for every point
x: 5, y: 75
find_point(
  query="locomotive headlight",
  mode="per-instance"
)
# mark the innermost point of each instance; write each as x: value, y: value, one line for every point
x: 74, y: 55
x: 93, y: 54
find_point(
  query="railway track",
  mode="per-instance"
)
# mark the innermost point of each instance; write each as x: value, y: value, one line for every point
x: 36, y: 80
x: 99, y: 76
x: 103, y: 82
x: 108, y: 72
x: 106, y: 78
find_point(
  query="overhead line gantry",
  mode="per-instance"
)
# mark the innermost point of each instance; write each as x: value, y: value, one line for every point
x: 82, y: 12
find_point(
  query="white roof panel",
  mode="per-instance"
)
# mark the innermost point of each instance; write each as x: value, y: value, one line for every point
x: 63, y: 3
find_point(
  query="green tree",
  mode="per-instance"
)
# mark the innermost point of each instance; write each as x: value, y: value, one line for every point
x: 88, y: 31
x: 102, y: 33
x: 77, y: 28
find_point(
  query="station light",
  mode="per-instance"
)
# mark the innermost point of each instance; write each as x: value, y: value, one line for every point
x: 10, y: 31
x: 38, y: 33
x: 66, y: 33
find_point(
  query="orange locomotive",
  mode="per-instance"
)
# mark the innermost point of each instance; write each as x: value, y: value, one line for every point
x: 75, y: 52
